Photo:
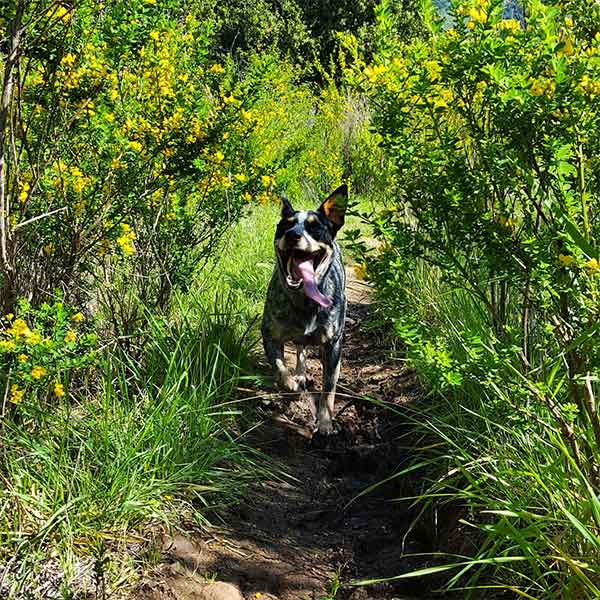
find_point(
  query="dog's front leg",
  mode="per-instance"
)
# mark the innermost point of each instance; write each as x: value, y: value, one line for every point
x: 275, y: 356
x: 302, y: 378
x: 331, y: 353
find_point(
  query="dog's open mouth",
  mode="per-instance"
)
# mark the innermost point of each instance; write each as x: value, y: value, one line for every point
x: 302, y: 269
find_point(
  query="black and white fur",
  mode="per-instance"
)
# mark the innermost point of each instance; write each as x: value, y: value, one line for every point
x: 291, y: 316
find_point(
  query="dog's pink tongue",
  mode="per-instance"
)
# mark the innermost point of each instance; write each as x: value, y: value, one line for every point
x: 306, y: 271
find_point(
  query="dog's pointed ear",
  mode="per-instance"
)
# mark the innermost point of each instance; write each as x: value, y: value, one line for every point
x: 334, y: 207
x: 287, y: 209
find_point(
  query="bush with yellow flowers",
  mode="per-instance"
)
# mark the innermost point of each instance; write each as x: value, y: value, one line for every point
x: 39, y: 350
x: 131, y: 148
x: 493, y: 130
x: 488, y: 266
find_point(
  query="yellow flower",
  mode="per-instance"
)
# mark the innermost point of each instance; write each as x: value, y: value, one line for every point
x: 77, y: 317
x: 154, y: 35
x: 219, y: 156
x: 16, y: 395
x: 19, y: 328
x: 433, y: 69
x: 24, y: 191
x: 60, y: 12
x: 471, y: 25
x: 71, y: 336
x: 507, y: 222
x: 216, y: 68
x: 537, y: 88
x: 241, y: 177
x: 79, y: 184
x: 125, y: 241
x: 7, y: 345
x: 22, y: 358
x: 266, y: 180
x: 9, y: 317
x: 360, y: 271
x: 592, y: 264
x: 68, y: 59
x: 38, y: 372
x: 511, y: 25
x: 135, y: 145
x: 59, y: 390
x: 33, y: 338
x: 373, y: 73
x: 477, y: 15
x: 247, y: 197
x: 566, y: 260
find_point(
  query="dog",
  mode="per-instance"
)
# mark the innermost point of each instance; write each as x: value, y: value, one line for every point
x: 306, y: 299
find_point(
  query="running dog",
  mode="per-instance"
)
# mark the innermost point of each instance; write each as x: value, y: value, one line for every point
x: 306, y: 300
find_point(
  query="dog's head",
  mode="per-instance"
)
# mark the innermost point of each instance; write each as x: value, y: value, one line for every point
x: 304, y: 243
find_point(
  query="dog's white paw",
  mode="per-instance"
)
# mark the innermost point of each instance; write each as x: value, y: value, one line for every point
x: 289, y: 383
x: 304, y: 381
x: 324, y: 424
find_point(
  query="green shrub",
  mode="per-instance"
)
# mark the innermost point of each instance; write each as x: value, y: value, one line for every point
x: 39, y: 349
x: 487, y: 264
x: 154, y: 445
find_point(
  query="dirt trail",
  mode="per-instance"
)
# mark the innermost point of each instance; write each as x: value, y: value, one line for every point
x: 293, y: 537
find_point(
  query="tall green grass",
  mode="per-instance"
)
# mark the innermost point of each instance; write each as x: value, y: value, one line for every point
x: 498, y: 459
x: 147, y: 443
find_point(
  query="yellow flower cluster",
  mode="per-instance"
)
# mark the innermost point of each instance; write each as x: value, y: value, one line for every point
x: 125, y: 240
x: 360, y: 270
x: 588, y: 86
x: 441, y: 99
x: 542, y: 87
x: 476, y: 13
x: 24, y: 189
x: 567, y: 260
x: 60, y: 13
x: 78, y: 180
x: 374, y: 73
x: 68, y: 60
x: 38, y: 372
x: 434, y: 69
x: 16, y: 394
x: 510, y: 25
x: 19, y: 329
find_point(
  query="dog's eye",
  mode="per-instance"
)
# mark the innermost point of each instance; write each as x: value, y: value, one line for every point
x: 312, y: 225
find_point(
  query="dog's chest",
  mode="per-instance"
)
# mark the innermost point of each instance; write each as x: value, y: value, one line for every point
x: 308, y: 329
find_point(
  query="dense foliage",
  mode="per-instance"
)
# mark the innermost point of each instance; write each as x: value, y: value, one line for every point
x: 492, y: 127
x: 134, y: 135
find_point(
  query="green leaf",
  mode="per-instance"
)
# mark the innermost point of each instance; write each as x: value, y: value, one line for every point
x: 579, y: 239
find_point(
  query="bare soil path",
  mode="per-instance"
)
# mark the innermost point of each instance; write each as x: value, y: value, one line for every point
x: 294, y: 537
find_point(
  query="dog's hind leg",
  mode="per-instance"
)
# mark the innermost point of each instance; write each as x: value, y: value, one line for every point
x: 331, y: 353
